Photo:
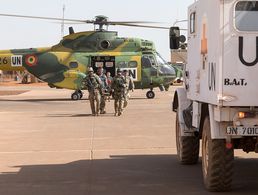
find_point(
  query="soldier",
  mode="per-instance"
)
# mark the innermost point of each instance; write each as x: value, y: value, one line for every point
x: 118, y: 85
x: 109, y: 81
x: 129, y: 86
x: 104, y: 84
x: 93, y: 84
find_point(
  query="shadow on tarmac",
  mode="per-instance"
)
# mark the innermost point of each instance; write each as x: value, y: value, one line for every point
x: 140, y: 98
x: 122, y: 175
x: 78, y: 115
x: 56, y: 100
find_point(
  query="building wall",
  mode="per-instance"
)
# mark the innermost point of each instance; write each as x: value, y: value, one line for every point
x: 178, y: 56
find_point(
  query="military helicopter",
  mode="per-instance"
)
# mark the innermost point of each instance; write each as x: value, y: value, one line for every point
x: 65, y: 65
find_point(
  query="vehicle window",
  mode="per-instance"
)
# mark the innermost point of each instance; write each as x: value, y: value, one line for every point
x: 132, y: 64
x: 73, y: 65
x: 146, y: 63
x: 167, y: 70
x: 122, y: 64
x: 109, y: 64
x: 192, y: 22
x: 246, y: 14
x: 160, y: 60
x: 99, y: 64
x: 152, y: 60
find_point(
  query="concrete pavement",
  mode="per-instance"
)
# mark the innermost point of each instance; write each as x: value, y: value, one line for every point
x: 51, y: 145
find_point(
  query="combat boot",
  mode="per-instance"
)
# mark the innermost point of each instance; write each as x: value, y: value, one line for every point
x: 103, y: 112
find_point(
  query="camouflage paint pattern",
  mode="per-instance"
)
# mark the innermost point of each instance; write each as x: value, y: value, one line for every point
x: 65, y: 65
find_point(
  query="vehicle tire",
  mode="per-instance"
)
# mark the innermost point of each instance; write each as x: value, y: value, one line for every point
x: 150, y: 94
x: 217, y: 161
x: 75, y: 96
x: 187, y: 147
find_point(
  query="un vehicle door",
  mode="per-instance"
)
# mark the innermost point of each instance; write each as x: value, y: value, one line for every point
x: 240, y: 60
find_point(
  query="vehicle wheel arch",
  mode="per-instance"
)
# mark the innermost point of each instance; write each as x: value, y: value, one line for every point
x: 204, y: 113
x: 175, y: 102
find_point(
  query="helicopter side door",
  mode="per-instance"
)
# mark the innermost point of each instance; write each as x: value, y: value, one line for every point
x: 106, y: 62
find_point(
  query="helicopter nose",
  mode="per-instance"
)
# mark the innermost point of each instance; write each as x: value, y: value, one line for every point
x: 168, y: 80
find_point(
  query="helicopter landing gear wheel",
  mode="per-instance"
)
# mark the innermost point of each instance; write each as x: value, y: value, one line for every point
x: 77, y: 95
x: 80, y: 93
x: 150, y: 94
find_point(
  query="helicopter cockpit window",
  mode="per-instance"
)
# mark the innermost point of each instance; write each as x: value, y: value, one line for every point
x: 160, y: 60
x: 152, y: 59
x: 167, y: 70
x: 164, y: 67
x: 73, y: 65
x: 148, y: 61
x: 132, y: 64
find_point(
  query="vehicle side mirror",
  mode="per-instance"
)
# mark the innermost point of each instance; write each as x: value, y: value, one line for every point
x: 182, y: 38
x: 174, y: 35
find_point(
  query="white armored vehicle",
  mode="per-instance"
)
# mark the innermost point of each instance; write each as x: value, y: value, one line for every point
x: 219, y: 101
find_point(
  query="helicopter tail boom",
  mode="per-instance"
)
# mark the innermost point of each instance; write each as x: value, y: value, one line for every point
x: 11, y: 62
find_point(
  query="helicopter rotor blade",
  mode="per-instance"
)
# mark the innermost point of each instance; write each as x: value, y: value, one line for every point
x: 143, y: 26
x: 69, y: 23
x: 130, y: 22
x: 77, y: 21
x: 48, y: 18
x: 73, y: 20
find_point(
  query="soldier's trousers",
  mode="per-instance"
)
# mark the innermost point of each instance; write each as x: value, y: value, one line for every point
x: 127, y: 95
x: 94, y: 97
x: 102, y: 103
x: 119, y: 102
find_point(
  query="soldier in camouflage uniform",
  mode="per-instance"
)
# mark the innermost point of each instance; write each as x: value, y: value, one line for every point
x: 104, y: 84
x: 118, y: 85
x: 109, y: 81
x: 129, y: 86
x: 93, y: 84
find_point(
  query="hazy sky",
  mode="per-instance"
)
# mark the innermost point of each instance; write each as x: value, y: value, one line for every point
x: 25, y: 33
